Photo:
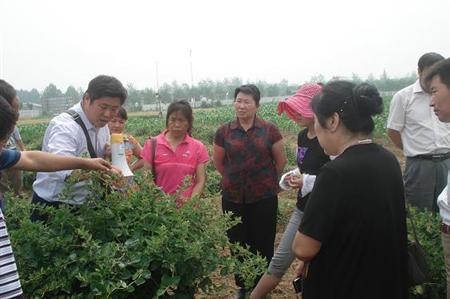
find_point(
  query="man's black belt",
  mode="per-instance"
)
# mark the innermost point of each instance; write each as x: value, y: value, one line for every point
x: 436, y: 157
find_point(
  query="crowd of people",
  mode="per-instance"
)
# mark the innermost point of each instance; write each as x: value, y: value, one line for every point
x: 348, y: 228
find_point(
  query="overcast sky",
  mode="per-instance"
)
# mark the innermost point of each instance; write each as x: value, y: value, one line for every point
x: 69, y: 42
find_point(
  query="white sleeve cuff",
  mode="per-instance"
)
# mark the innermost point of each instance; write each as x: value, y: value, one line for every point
x: 395, y: 126
x: 308, y: 183
x: 443, y: 197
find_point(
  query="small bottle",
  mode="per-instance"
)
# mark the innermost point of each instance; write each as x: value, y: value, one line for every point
x: 128, y: 148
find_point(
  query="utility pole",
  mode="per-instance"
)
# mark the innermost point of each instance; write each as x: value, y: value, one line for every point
x: 192, y: 73
x: 192, y: 77
x: 158, y: 99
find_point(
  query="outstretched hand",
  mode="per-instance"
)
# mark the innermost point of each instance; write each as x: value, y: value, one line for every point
x: 115, y: 170
x: 107, y: 151
x: 98, y: 164
x: 101, y: 164
x: 295, y: 181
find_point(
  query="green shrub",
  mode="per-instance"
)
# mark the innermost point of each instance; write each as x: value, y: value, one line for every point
x: 285, y: 208
x: 28, y: 179
x: 32, y: 135
x: 212, y: 185
x: 428, y: 233
x: 126, y: 245
x: 291, y: 155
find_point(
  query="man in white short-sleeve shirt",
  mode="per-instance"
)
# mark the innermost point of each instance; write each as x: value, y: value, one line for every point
x: 413, y: 127
x: 66, y: 137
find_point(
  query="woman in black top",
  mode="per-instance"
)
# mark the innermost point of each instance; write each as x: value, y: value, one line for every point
x: 310, y: 158
x: 353, y: 232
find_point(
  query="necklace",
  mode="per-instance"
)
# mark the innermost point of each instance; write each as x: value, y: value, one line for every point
x: 356, y: 142
x: 365, y: 141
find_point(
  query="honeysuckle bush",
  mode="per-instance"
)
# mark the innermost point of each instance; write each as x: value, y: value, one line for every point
x: 131, y: 244
x: 429, y: 235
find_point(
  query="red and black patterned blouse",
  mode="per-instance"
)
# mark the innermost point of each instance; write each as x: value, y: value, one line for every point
x: 249, y: 168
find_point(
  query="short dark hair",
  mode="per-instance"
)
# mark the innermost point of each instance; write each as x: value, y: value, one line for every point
x: 185, y: 108
x: 106, y: 86
x: 428, y: 59
x: 441, y: 69
x: 7, y: 91
x: 355, y: 105
x: 8, y: 118
x: 249, y: 89
x: 122, y: 113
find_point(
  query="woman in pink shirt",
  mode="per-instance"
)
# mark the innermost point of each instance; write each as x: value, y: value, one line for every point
x: 177, y: 154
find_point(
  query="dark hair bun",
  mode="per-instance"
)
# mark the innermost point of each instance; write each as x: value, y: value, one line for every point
x: 367, y: 99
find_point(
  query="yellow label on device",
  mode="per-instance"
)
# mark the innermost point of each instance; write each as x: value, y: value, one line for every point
x: 116, y: 138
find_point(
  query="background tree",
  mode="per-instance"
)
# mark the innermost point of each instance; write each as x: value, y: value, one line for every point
x: 80, y: 92
x: 180, y: 92
x: 51, y: 91
x: 319, y: 78
x: 32, y: 96
x: 356, y: 79
x: 72, y: 93
x: 165, y: 93
x: 217, y: 90
x: 148, y: 96
x: 134, y: 100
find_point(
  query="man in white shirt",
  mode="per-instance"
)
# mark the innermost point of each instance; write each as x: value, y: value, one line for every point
x: 413, y: 127
x: 438, y: 84
x: 10, y: 286
x: 65, y: 137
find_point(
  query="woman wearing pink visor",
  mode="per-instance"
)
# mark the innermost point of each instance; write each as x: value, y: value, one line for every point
x: 310, y: 158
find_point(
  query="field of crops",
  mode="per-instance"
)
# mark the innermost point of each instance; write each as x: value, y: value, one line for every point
x: 205, y: 124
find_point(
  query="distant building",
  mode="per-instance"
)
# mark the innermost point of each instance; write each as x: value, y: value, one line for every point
x: 30, y: 110
x: 57, y: 105
x: 154, y: 107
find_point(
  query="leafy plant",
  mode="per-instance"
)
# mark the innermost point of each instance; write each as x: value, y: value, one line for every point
x: 428, y: 233
x: 132, y: 244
